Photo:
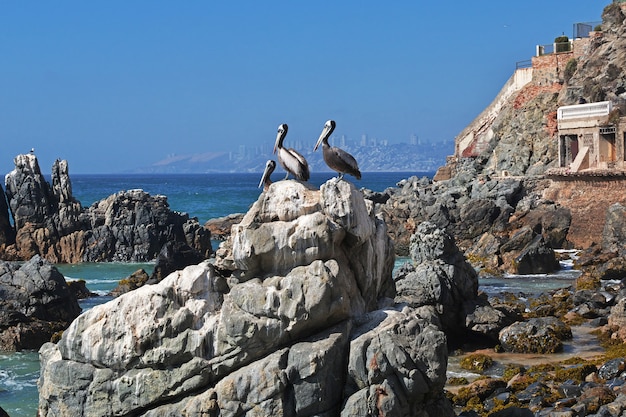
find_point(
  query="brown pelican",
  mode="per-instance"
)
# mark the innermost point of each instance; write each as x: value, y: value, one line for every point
x: 290, y: 159
x: 337, y: 159
x: 265, y: 179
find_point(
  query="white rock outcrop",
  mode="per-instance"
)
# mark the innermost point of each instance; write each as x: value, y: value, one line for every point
x: 286, y: 321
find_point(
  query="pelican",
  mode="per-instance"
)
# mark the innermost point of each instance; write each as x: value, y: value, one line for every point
x: 265, y: 179
x: 337, y: 159
x: 290, y: 159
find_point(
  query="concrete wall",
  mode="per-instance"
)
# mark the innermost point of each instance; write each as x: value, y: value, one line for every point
x: 474, y: 139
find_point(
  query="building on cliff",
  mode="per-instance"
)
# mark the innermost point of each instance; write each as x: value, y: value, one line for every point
x: 592, y: 138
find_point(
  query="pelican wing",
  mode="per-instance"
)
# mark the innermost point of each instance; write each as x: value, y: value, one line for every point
x: 344, y: 162
x: 294, y: 163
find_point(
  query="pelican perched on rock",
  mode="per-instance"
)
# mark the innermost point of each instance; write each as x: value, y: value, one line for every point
x: 337, y: 159
x: 290, y: 159
x: 270, y: 165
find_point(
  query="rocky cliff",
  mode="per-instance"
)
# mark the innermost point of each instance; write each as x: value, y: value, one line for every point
x: 298, y: 315
x: 130, y: 226
x: 493, y: 196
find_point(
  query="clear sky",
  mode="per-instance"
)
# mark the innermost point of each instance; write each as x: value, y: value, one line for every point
x: 113, y: 85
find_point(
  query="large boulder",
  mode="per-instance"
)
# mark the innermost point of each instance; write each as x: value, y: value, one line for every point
x: 286, y: 322
x: 438, y: 276
x: 397, y: 361
x: 35, y: 302
x: 537, y: 335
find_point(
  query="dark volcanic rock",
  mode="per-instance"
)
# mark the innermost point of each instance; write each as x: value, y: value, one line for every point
x: 133, y: 226
x: 79, y: 289
x: 174, y: 256
x: 536, y: 258
x: 479, y: 217
x: 35, y: 302
x: 130, y: 226
x: 7, y: 233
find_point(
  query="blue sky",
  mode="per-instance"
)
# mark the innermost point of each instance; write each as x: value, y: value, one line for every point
x: 114, y: 85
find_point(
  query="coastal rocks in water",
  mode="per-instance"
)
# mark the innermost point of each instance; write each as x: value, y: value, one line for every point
x: 536, y: 258
x: 79, y: 289
x: 132, y: 282
x: 36, y: 302
x: 524, y: 252
x: 266, y: 331
x: 440, y: 277
x: 130, y: 226
x: 537, y: 335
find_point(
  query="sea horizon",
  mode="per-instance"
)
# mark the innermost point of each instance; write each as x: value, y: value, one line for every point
x: 211, y: 195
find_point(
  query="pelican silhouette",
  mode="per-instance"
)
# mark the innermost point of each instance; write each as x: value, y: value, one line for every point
x: 290, y: 159
x: 336, y: 158
x: 270, y: 165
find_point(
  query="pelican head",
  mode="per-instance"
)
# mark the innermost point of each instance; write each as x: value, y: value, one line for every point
x: 282, y: 132
x: 270, y: 165
x: 329, y: 126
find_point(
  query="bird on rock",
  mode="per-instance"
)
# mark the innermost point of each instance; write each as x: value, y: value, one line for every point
x: 336, y: 158
x: 292, y: 161
x: 270, y: 165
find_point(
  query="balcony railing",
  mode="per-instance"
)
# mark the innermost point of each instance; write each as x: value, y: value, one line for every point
x: 598, y: 109
x: 552, y: 48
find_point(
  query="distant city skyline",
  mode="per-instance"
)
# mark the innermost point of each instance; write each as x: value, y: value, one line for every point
x: 117, y: 85
x: 343, y: 141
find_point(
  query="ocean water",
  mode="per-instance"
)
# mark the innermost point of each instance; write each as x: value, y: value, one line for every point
x: 209, y: 196
x: 204, y: 196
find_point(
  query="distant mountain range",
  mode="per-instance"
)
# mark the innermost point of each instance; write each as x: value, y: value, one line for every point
x: 389, y: 158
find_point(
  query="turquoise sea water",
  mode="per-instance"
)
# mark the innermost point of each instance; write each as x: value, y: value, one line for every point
x: 204, y: 196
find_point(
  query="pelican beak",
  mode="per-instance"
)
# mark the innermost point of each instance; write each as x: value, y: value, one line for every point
x: 323, y: 135
x: 282, y: 131
x: 276, y: 143
x: 269, y: 168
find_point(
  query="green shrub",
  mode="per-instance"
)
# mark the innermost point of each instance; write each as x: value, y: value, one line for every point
x: 562, y: 44
x: 570, y: 69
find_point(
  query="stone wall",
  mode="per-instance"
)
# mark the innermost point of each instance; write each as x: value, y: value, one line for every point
x: 588, y: 199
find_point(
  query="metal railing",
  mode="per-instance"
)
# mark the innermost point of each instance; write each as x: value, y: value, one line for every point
x: 552, y: 48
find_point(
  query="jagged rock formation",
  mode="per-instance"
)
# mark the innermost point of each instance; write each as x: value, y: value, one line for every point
x: 296, y: 317
x: 129, y: 226
x: 35, y: 303
x: 495, y: 221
